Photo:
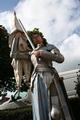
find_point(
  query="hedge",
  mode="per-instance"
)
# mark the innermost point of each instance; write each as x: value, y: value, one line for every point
x: 17, y: 114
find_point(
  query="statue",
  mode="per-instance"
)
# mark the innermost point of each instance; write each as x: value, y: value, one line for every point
x: 44, y: 74
x: 20, y: 49
x: 42, y: 77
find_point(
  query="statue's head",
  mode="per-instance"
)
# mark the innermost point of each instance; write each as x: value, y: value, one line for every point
x: 37, y: 37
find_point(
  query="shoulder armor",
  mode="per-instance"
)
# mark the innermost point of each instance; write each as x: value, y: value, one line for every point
x: 49, y: 47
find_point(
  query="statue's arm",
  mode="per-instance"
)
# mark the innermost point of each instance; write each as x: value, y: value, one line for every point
x: 54, y: 55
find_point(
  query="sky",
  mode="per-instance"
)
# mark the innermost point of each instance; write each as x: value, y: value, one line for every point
x: 7, y: 4
x: 59, y: 20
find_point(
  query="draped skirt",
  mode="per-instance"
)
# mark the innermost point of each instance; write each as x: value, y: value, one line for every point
x: 40, y: 96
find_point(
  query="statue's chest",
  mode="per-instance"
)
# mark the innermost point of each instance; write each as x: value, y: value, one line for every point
x: 22, y: 45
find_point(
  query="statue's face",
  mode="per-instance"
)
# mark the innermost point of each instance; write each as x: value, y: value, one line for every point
x: 37, y: 39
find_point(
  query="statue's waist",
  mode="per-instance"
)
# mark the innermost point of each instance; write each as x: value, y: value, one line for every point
x: 41, y: 67
x: 20, y: 55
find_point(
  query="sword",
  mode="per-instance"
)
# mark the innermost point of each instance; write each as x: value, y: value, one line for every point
x: 26, y: 34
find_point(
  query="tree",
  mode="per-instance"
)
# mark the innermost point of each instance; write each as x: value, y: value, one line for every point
x: 6, y: 70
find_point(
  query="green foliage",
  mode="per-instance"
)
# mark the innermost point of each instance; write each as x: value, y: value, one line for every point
x: 4, y: 42
x: 77, y: 83
x: 6, y: 70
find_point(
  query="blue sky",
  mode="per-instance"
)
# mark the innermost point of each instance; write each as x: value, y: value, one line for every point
x: 7, y: 4
x: 59, y: 20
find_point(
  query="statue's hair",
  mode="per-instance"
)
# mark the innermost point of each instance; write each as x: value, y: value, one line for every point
x: 36, y: 31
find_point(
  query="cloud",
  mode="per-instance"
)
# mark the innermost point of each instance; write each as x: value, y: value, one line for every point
x: 57, y: 19
x: 6, y: 19
x: 71, y: 45
x: 71, y: 51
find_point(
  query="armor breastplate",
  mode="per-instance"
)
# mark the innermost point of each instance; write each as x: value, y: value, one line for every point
x: 40, y: 64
